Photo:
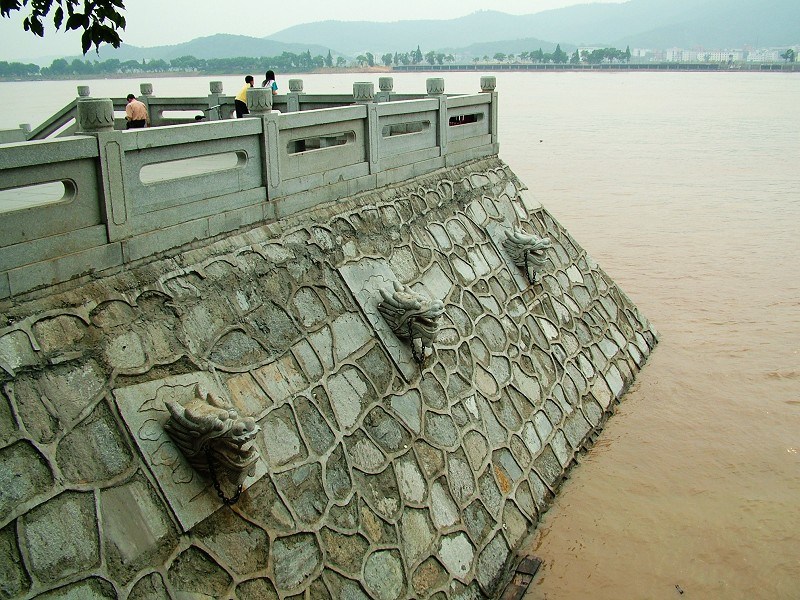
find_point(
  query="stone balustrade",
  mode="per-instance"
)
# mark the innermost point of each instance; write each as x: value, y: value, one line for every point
x: 122, y: 196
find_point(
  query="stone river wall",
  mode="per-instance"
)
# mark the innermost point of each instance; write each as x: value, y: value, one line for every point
x: 378, y: 478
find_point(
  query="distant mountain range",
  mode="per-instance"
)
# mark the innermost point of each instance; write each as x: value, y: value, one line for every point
x: 711, y: 24
x: 222, y: 45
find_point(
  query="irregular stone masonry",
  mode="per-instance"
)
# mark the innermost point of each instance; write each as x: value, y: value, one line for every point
x: 380, y: 480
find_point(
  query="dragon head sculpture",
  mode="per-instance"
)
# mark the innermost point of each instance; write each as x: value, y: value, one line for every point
x: 412, y: 317
x: 208, y: 428
x: 527, y: 251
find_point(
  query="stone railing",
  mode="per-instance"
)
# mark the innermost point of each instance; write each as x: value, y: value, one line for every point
x: 121, y: 196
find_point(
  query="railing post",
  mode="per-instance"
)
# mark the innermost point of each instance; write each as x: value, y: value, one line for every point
x: 26, y: 130
x: 488, y: 85
x: 385, y: 84
x: 435, y: 89
x: 259, y: 100
x: 214, y: 100
x: 95, y: 115
x: 146, y: 91
x: 259, y: 103
x: 293, y: 97
x: 363, y: 92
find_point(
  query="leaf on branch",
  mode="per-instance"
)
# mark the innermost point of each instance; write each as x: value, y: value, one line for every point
x: 78, y: 21
x: 86, y: 41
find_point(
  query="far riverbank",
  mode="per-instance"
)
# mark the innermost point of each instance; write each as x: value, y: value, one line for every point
x: 490, y: 67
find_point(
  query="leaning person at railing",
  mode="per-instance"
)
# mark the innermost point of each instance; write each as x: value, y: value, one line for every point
x: 269, y: 81
x: 241, y: 98
x: 135, y: 114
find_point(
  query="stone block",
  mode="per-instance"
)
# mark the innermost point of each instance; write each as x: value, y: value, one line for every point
x: 135, y: 527
x: 345, y: 552
x: 64, y: 268
x: 62, y: 536
x: 14, y: 578
x: 94, y: 450
x: 281, y: 379
x: 384, y: 575
x: 53, y: 246
x: 232, y: 220
x: 93, y: 588
x: 194, y: 574
x: 149, y: 587
x: 241, y: 546
x: 166, y: 238
x: 491, y: 564
x: 16, y: 351
x: 282, y: 439
x: 294, y: 560
x: 457, y: 555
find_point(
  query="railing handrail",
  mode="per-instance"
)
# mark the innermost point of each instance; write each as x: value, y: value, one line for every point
x: 55, y: 122
x: 256, y: 169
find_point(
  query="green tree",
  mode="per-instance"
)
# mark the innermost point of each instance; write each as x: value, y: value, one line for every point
x: 430, y: 57
x: 329, y: 60
x: 101, y: 20
x: 16, y: 69
x: 559, y: 56
x: 386, y: 59
x: 789, y: 55
x: 370, y: 59
x: 340, y: 61
x: 627, y: 54
x: 361, y: 60
x: 59, y: 67
x: 158, y: 66
x: 576, y: 58
x: 499, y: 57
x: 416, y: 56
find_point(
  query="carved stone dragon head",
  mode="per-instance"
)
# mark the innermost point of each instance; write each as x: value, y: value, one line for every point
x: 527, y: 251
x: 411, y: 316
x: 208, y: 427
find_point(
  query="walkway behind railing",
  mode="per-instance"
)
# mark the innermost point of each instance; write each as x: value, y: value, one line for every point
x: 125, y: 195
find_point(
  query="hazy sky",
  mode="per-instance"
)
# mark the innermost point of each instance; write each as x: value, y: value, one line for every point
x: 162, y: 22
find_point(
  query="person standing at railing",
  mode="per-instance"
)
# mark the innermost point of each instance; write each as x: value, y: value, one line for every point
x: 241, y: 98
x: 135, y: 113
x: 269, y: 81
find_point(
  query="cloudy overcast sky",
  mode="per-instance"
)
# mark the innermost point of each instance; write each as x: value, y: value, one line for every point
x: 163, y: 22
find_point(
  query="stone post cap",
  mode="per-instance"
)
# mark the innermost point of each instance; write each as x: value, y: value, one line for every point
x: 83, y: 91
x: 95, y: 115
x: 296, y: 85
x: 26, y: 127
x: 488, y: 83
x: 386, y: 84
x: 363, y: 92
x: 259, y: 100
x: 146, y: 89
x: 215, y: 87
x: 435, y: 86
